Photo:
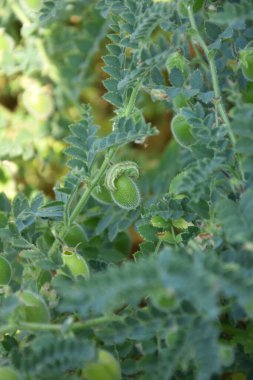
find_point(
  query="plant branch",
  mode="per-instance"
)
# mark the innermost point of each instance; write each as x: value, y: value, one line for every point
x: 20, y: 14
x: 132, y: 100
x: 210, y: 57
x: 82, y: 201
x: 91, y: 186
x: 158, y: 246
x: 104, y: 165
x: 57, y: 327
x: 48, y: 67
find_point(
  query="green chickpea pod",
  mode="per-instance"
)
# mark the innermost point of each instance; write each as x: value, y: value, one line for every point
x: 105, y: 367
x: 181, y: 130
x: 119, y: 180
x: 75, y: 263
x: 246, y: 63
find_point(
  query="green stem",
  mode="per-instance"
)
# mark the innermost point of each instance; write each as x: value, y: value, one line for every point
x: 199, y: 59
x: 19, y: 12
x: 82, y: 201
x: 132, y: 100
x: 49, y: 68
x: 158, y: 246
x: 77, y: 326
x: 210, y: 57
x: 173, y: 235
x: 91, y: 186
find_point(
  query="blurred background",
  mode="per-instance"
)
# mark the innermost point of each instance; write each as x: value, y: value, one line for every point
x: 49, y: 66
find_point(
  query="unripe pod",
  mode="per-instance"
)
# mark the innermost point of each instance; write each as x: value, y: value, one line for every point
x: 123, y: 189
x: 128, y: 168
x: 181, y: 130
x: 33, y: 308
x: 7, y: 373
x: 5, y: 271
x: 76, y: 264
x: 38, y: 102
x: 105, y: 368
x: 127, y: 194
x: 246, y: 62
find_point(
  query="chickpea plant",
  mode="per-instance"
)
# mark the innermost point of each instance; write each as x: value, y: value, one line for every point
x: 76, y: 302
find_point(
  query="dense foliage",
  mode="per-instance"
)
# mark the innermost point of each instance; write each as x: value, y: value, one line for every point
x: 77, y: 300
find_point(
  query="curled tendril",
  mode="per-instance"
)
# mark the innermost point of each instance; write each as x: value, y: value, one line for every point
x: 128, y: 168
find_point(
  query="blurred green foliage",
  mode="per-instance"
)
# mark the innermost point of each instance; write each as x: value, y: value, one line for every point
x: 49, y: 66
x: 166, y: 285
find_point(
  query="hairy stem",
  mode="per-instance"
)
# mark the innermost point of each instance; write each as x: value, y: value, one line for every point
x: 132, y: 101
x: 57, y: 327
x: 158, y: 246
x: 20, y: 14
x: 91, y: 186
x: 210, y: 57
x: 48, y: 67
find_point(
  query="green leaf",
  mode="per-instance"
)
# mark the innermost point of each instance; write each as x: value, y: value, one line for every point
x: 127, y: 130
x: 53, y: 356
x: 237, y: 217
x: 114, y: 98
x: 83, y: 135
x: 148, y: 232
x: 195, y: 176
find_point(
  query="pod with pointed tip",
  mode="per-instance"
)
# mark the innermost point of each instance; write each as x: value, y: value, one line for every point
x: 105, y: 367
x: 128, y: 168
x: 246, y: 63
x: 75, y: 263
x: 181, y: 130
x: 126, y: 194
x: 38, y: 102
